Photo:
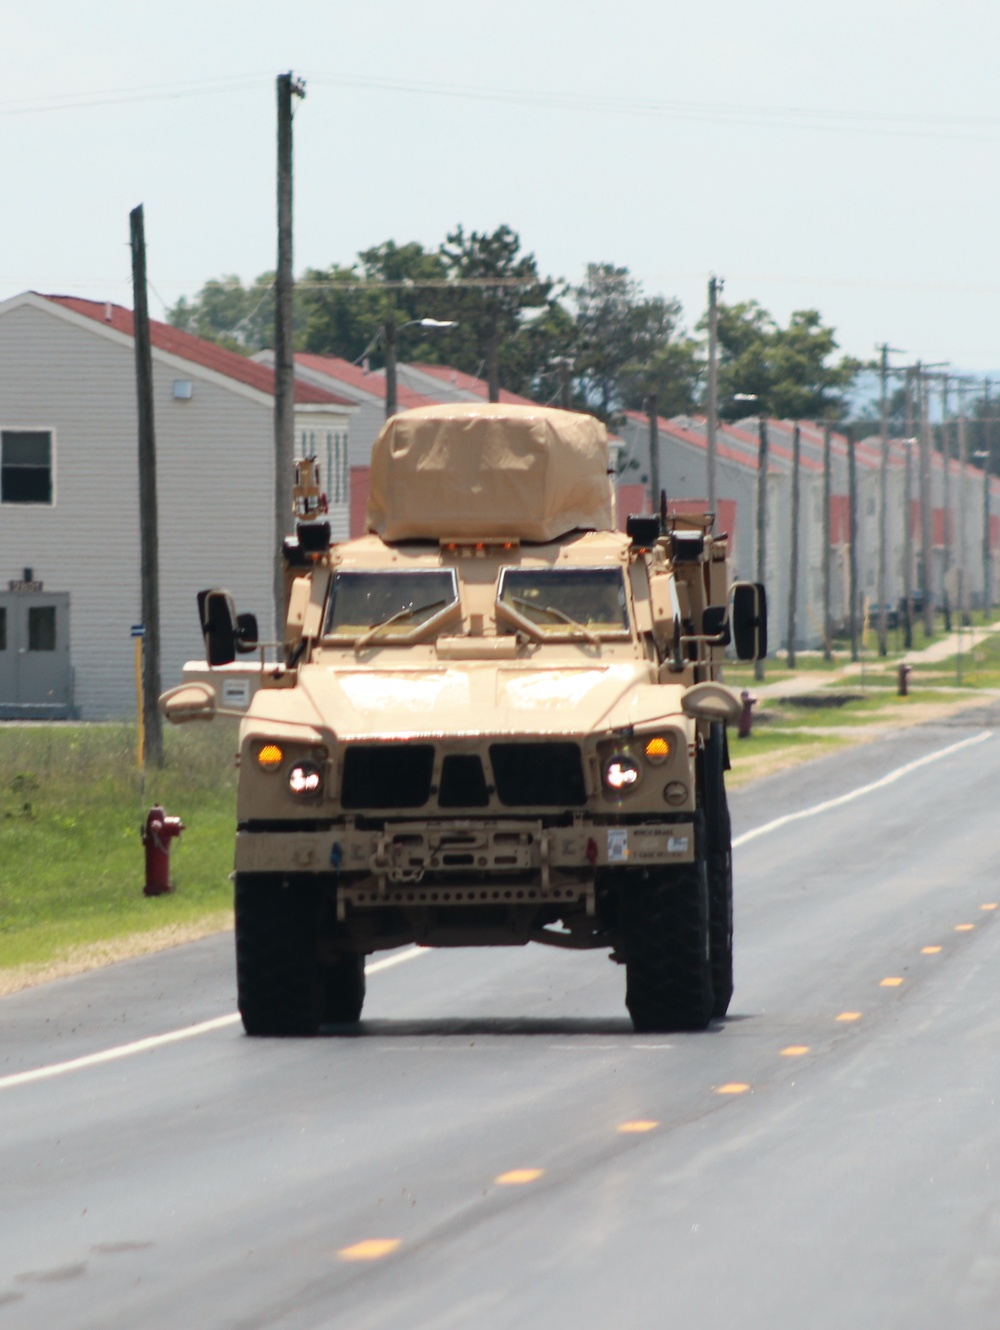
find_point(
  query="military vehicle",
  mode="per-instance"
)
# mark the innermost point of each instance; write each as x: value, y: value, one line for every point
x: 495, y: 719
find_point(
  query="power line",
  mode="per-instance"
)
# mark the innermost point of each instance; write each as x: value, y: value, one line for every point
x: 892, y: 124
x: 148, y: 93
x: 863, y: 122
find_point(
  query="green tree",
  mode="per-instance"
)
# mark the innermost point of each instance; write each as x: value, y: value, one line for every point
x: 225, y: 311
x: 346, y: 307
x: 631, y: 345
x: 786, y: 369
x: 605, y: 319
x: 867, y: 419
x: 490, y: 333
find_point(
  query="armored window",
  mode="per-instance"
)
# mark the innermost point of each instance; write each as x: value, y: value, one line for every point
x: 25, y: 466
x: 395, y: 603
x: 3, y: 627
x: 555, y: 600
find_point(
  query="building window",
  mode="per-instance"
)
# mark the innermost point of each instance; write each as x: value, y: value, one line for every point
x: 25, y: 466
x: 42, y: 628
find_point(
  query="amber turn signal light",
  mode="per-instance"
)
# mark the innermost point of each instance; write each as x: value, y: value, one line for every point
x: 657, y: 750
x: 270, y: 757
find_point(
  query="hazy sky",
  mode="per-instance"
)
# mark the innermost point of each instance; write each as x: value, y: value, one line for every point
x: 838, y: 156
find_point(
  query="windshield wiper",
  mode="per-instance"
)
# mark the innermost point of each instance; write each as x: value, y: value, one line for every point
x: 407, y: 612
x: 557, y: 614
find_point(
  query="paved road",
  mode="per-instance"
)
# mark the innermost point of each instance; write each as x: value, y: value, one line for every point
x: 498, y: 1149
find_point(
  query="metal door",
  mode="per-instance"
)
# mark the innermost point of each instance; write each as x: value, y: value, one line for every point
x: 35, y: 675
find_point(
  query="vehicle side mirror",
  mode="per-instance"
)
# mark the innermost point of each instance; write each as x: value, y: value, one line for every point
x: 247, y: 635
x: 219, y: 626
x: 189, y: 701
x: 749, y: 620
x: 715, y: 624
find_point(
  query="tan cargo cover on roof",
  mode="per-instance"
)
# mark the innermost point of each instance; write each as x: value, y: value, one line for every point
x: 489, y: 470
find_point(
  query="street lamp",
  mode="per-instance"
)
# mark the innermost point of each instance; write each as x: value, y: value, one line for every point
x: 388, y: 332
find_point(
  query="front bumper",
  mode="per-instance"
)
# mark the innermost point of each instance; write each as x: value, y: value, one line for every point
x: 462, y: 850
x: 464, y: 863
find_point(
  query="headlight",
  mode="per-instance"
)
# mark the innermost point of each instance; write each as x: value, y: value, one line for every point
x: 305, y: 778
x: 621, y: 772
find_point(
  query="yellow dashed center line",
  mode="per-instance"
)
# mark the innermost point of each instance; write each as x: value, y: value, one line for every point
x: 849, y: 1016
x: 518, y: 1176
x: 992, y: 905
x: 732, y: 1087
x: 929, y: 951
x: 892, y: 982
x: 795, y: 1050
x: 964, y: 928
x: 369, y: 1250
x: 642, y: 1124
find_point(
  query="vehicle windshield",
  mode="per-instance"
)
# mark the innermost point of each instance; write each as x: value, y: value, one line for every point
x: 395, y: 602
x: 558, y: 600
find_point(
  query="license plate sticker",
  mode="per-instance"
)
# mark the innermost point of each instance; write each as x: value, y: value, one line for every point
x: 677, y: 844
x: 617, y: 845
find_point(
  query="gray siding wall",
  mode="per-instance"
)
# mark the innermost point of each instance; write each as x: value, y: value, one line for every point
x: 215, y: 485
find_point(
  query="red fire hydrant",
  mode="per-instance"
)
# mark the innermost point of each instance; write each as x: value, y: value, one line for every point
x: 746, y: 715
x: 157, y: 834
x: 903, y: 683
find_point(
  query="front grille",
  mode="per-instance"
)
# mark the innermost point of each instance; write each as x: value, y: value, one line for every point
x: 538, y: 774
x: 387, y: 776
x: 463, y: 784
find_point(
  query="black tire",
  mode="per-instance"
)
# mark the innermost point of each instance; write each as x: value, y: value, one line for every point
x: 277, y: 968
x: 668, y: 967
x: 719, y: 865
x: 344, y: 989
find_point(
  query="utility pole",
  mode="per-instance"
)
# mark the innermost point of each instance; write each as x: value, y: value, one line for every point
x: 493, y: 356
x: 946, y: 454
x: 389, y: 336
x: 926, y: 535
x: 654, y: 453
x: 946, y: 534
x: 908, y: 515
x: 852, y: 485
x: 827, y: 626
x: 987, y: 570
x: 883, y: 501
x: 149, y: 540
x: 563, y: 365
x: 793, y: 567
x: 284, y: 359
x: 714, y: 287
x: 758, y: 668
x: 963, y: 516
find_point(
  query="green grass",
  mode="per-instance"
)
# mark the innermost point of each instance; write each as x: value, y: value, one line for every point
x: 752, y: 756
x: 861, y: 710
x: 71, y: 808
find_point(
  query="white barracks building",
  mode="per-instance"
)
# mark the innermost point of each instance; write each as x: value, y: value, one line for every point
x: 69, y: 497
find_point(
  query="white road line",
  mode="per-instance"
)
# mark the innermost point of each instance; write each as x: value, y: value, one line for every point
x: 172, y: 1037
x: 859, y: 793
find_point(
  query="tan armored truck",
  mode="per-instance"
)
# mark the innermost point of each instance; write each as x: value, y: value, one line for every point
x: 495, y: 720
